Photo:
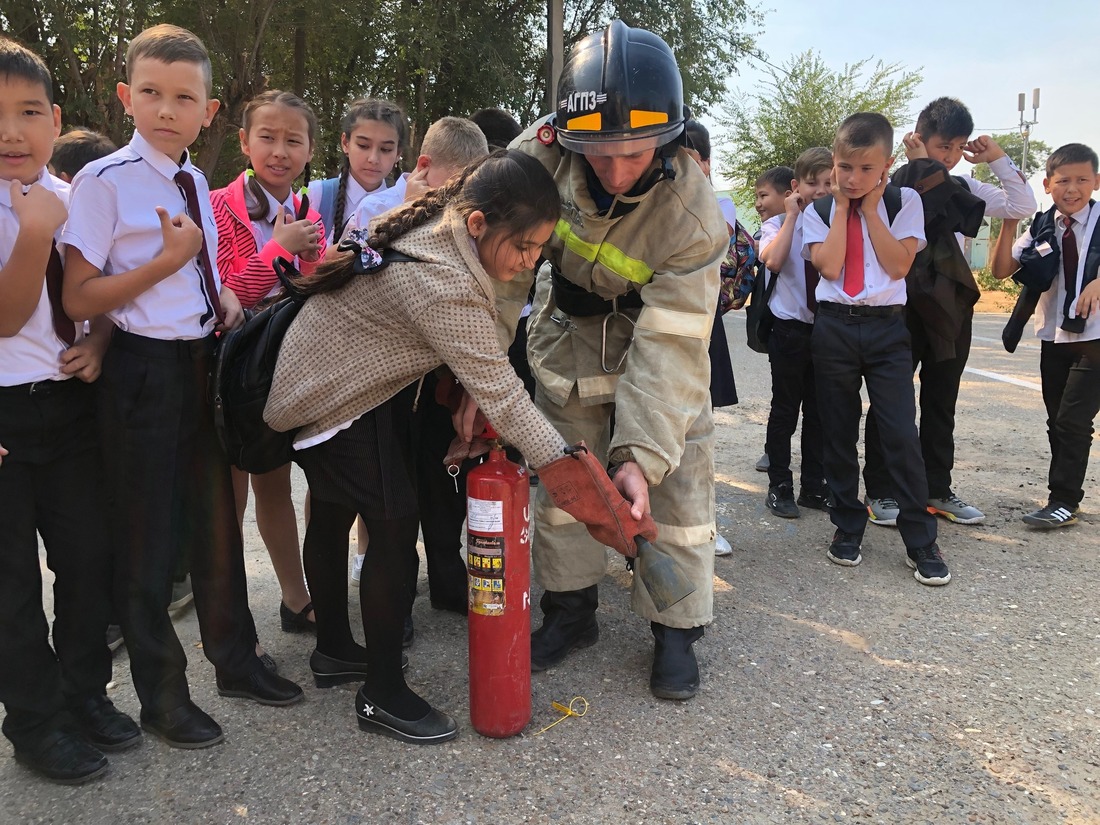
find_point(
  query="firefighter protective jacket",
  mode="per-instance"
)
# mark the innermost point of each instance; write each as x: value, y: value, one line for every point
x: 665, y: 244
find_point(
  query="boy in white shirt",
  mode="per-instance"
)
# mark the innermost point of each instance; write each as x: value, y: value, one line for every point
x: 1059, y: 258
x: 943, y: 133
x: 141, y: 244
x: 793, y: 303
x: 58, y: 717
x: 863, y: 256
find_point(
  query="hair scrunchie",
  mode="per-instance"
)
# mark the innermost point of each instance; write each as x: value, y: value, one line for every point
x: 367, y: 258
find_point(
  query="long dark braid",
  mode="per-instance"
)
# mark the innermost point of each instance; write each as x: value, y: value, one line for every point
x: 512, y: 189
x: 341, y: 197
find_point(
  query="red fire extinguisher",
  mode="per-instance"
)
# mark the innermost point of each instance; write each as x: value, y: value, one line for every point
x: 498, y: 545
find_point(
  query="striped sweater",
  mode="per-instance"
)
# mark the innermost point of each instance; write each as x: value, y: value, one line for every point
x: 246, y: 270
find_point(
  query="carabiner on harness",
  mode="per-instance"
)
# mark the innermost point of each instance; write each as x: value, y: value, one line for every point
x: 603, y: 341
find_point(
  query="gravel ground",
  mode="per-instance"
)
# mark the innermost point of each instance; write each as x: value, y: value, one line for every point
x: 828, y: 693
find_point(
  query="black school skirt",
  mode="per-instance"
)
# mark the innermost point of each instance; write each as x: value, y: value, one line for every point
x: 368, y: 467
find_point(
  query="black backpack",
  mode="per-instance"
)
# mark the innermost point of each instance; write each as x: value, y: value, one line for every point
x: 244, y: 366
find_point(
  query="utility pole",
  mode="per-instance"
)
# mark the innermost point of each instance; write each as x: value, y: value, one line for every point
x: 1025, y: 125
x: 555, y: 35
x: 1025, y: 131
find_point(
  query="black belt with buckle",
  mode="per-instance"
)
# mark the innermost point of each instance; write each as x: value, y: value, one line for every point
x: 578, y: 302
x: 43, y: 388
x: 858, y: 310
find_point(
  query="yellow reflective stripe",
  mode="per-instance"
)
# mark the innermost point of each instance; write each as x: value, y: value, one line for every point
x: 671, y: 322
x: 606, y: 254
x: 586, y: 123
x: 640, y: 118
x: 685, y: 536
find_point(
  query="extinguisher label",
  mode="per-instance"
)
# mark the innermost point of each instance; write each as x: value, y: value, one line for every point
x: 485, y: 516
x: 485, y: 558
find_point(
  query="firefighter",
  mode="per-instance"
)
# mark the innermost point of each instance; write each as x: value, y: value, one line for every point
x: 618, y: 336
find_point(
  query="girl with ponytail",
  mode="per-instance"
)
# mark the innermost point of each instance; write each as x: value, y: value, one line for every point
x: 259, y: 219
x: 373, y: 135
x: 347, y: 380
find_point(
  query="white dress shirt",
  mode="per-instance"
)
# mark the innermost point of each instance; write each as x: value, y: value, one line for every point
x: 33, y: 353
x: 1048, y: 313
x: 879, y: 289
x: 114, y: 224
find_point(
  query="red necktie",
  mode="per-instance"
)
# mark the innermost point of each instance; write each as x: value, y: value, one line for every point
x: 185, y: 182
x: 63, y: 325
x: 853, y: 252
x: 812, y: 277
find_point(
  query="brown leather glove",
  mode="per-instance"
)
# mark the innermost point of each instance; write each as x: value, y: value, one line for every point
x: 579, y: 485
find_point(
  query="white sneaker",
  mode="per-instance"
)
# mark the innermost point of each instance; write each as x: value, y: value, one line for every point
x: 955, y: 509
x: 357, y: 569
x: 721, y: 546
x: 883, y: 511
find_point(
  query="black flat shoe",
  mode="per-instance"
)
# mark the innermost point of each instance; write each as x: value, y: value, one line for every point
x: 262, y: 686
x: 434, y: 727
x: 186, y: 727
x: 330, y: 672
x: 63, y: 758
x: 104, y: 725
x: 296, y: 622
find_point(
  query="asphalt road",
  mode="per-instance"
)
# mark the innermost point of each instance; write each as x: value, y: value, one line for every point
x: 828, y: 693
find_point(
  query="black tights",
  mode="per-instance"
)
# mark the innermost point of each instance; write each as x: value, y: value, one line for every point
x: 384, y: 598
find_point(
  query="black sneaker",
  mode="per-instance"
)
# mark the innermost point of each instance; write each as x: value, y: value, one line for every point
x: 844, y: 549
x: 780, y: 501
x: 821, y: 500
x: 928, y: 565
x: 1053, y: 515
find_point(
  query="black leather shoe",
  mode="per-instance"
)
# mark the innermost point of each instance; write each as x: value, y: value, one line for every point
x: 434, y: 727
x: 186, y: 727
x: 104, y: 725
x: 330, y: 672
x: 261, y: 686
x: 569, y: 624
x: 675, y: 672
x: 296, y: 622
x: 63, y: 758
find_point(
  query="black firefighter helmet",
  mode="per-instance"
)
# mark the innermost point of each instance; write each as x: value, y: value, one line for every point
x: 620, y: 92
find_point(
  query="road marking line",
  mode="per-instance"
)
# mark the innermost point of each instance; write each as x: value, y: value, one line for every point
x: 1031, y: 385
x: 999, y: 341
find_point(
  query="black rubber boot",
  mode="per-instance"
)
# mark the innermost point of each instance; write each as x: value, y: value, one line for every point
x: 569, y: 624
x: 675, y: 672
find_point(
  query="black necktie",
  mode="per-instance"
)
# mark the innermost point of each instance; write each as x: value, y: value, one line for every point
x: 1070, y: 259
x: 185, y: 182
x: 55, y: 275
x: 812, y: 277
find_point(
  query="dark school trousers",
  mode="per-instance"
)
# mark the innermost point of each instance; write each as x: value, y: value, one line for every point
x: 1070, y: 374
x: 793, y: 388
x: 171, y: 492
x: 50, y: 485
x: 441, y: 498
x: 939, y: 393
x: 848, y: 349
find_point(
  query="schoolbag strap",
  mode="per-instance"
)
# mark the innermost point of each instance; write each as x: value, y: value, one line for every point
x: 824, y: 207
x: 329, y: 186
x: 891, y: 197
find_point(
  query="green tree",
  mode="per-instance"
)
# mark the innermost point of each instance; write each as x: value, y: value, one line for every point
x: 801, y: 105
x: 1013, y: 144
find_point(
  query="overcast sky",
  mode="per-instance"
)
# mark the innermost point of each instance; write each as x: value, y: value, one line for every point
x: 984, y: 55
